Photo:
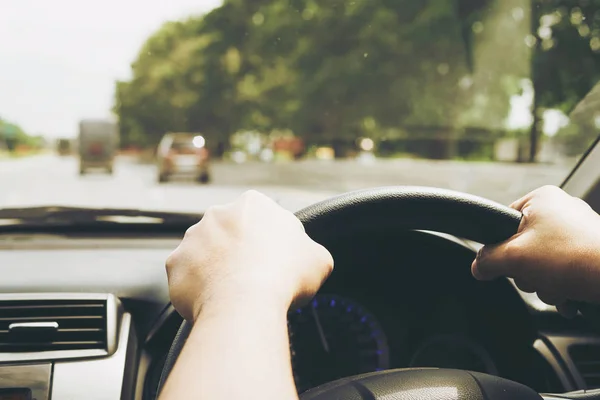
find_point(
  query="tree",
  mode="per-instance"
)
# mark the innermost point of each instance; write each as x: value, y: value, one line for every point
x: 12, y: 135
x: 567, y: 62
x: 325, y: 70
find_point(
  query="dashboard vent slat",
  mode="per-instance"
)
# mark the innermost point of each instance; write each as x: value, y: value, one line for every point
x: 82, y: 325
x: 587, y: 360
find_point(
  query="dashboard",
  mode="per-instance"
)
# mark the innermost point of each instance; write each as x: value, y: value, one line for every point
x: 408, y: 300
x: 394, y: 300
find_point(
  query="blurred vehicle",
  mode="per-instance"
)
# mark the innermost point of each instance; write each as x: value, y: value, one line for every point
x: 98, y: 143
x: 183, y: 154
x: 293, y: 146
x: 63, y: 147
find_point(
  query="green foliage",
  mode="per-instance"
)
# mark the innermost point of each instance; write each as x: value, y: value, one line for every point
x: 12, y: 135
x: 567, y: 66
x: 567, y: 63
x: 342, y: 68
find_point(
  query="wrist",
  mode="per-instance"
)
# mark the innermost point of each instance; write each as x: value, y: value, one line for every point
x: 242, y: 300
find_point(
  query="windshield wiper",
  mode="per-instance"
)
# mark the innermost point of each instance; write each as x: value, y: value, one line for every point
x: 60, y: 216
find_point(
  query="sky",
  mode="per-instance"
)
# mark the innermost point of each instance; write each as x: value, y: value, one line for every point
x: 59, y: 59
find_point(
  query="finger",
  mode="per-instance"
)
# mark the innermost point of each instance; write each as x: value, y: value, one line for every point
x: 491, y: 262
x: 520, y: 203
x: 297, y: 221
x: 567, y: 309
x: 326, y: 257
x: 541, y: 191
x: 254, y: 197
x: 525, y: 286
x: 216, y: 211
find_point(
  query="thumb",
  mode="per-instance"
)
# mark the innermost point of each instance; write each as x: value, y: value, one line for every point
x: 493, y: 261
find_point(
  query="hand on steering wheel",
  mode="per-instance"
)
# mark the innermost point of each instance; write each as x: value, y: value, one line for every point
x: 555, y: 251
x: 444, y: 211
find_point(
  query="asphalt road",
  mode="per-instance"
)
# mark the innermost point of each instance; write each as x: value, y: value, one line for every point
x: 53, y: 180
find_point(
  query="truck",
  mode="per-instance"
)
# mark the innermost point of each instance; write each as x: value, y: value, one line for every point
x: 98, y: 143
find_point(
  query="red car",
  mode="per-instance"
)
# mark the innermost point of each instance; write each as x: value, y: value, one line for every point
x: 183, y: 154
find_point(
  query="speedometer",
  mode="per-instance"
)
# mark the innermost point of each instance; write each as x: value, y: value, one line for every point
x: 332, y: 338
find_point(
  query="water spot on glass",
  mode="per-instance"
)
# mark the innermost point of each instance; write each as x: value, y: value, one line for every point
x: 308, y: 14
x: 530, y: 41
x: 518, y: 14
x: 595, y: 44
x: 465, y: 82
x: 577, y: 16
x: 443, y: 69
x: 258, y: 19
x: 477, y: 27
x: 545, y: 32
x: 547, y: 44
x: 584, y: 30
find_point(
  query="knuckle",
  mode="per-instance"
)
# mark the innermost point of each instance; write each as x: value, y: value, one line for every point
x: 527, y: 211
x: 512, y: 252
x: 213, y: 213
x: 482, y: 257
x: 549, y: 190
x: 190, y: 231
x: 171, y: 260
x: 292, y: 217
x: 329, y: 261
x: 582, y: 202
x: 252, y: 195
x: 210, y: 212
x: 480, y: 254
x: 325, y: 256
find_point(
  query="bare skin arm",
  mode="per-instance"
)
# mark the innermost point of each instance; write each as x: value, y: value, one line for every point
x: 555, y: 253
x: 250, y: 346
x: 235, y: 275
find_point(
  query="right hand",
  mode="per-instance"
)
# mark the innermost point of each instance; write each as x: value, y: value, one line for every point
x: 556, y: 251
x: 251, y: 249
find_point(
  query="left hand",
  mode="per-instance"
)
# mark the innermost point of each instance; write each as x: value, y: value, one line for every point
x: 247, y: 250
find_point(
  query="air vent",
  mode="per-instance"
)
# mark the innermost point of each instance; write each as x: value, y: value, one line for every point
x: 587, y: 360
x: 49, y: 325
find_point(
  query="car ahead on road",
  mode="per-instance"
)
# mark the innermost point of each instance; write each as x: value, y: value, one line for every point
x: 63, y: 147
x: 98, y: 144
x: 183, y: 154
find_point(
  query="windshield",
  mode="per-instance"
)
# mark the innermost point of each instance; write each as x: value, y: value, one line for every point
x: 300, y: 99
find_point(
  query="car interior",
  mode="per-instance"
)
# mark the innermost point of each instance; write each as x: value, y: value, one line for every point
x: 314, y: 88
x: 85, y: 309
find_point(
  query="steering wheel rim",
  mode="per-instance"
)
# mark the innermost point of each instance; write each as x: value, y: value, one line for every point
x: 400, y: 207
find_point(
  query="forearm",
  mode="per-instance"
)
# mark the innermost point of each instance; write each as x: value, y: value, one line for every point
x: 236, y: 350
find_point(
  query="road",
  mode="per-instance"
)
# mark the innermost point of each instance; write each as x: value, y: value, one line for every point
x: 49, y: 179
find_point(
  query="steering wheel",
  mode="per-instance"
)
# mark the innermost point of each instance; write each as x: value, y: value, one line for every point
x: 409, y: 208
